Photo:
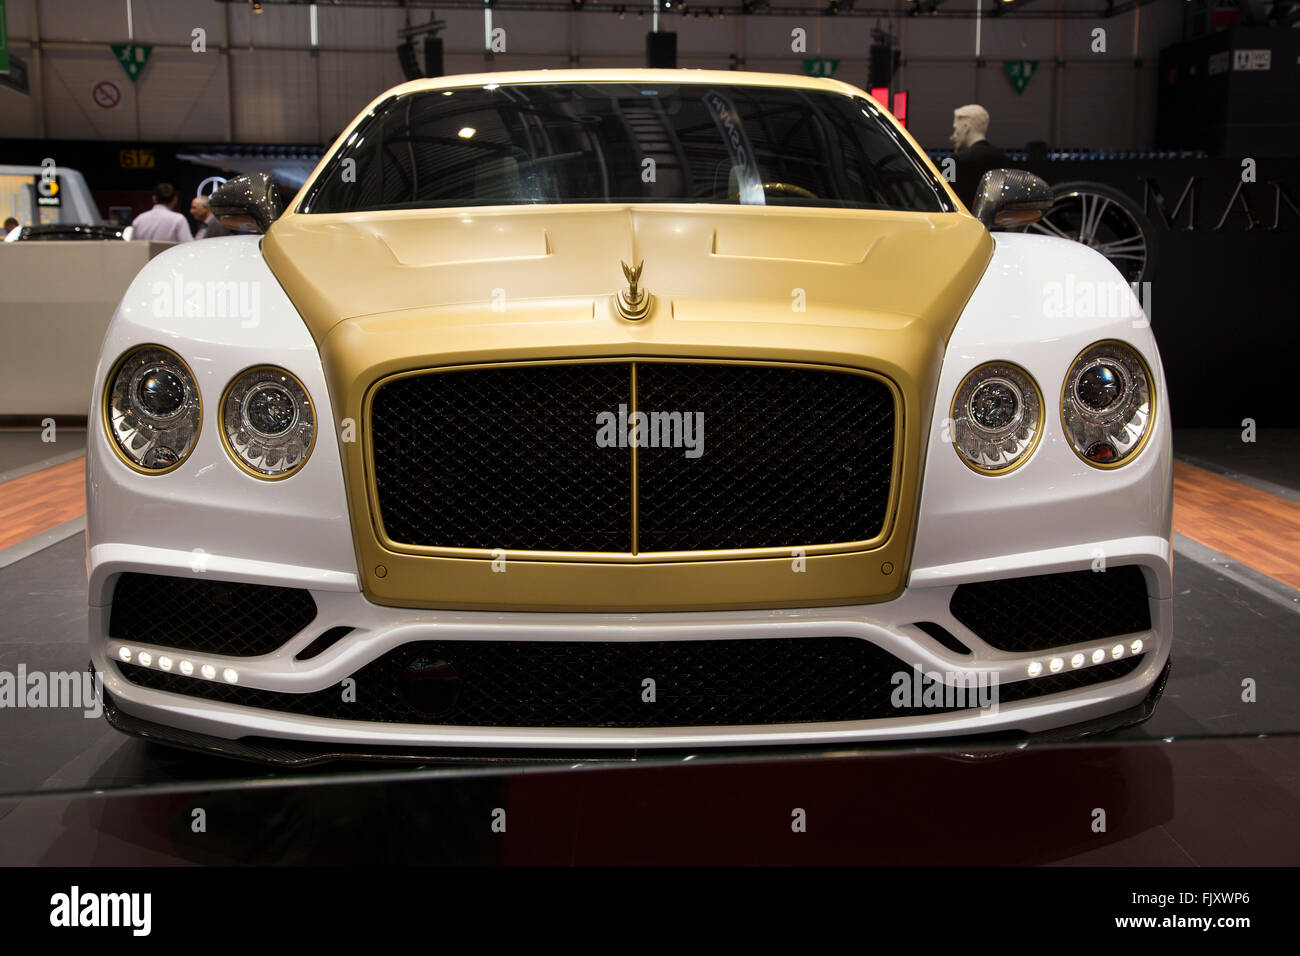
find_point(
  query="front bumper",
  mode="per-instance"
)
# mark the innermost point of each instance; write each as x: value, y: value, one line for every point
x: 889, y: 627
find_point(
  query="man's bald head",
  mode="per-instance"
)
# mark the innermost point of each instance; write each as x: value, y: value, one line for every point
x: 970, y: 124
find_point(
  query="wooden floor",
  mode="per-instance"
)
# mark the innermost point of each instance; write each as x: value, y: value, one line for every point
x: 1253, y: 527
x: 35, y: 503
x: 1260, y: 530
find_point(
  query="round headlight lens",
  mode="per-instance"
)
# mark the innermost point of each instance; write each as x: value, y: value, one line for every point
x: 160, y: 392
x: 152, y: 409
x: 996, y: 418
x: 1099, y: 386
x: 268, y: 422
x: 994, y: 405
x: 270, y: 410
x: 1106, y: 404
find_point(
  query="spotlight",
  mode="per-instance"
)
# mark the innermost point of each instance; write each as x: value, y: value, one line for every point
x: 1076, y: 660
x: 209, y: 672
x: 187, y: 668
x: 1055, y: 665
x: 145, y: 658
x: 1136, y: 647
x: 1035, y: 669
x: 231, y: 675
x: 124, y: 653
x: 165, y: 663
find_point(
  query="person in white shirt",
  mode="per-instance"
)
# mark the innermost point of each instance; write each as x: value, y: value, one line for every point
x: 162, y: 223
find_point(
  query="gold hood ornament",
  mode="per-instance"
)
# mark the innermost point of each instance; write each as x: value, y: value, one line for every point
x: 633, y: 302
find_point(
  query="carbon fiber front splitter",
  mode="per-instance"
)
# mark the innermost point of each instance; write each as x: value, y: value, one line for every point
x: 267, y: 750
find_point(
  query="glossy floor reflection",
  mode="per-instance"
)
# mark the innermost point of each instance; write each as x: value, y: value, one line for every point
x: 1205, y: 802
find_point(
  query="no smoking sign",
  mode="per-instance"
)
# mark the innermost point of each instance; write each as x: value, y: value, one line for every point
x: 106, y: 95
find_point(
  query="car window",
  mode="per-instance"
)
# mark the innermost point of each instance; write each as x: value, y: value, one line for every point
x: 625, y: 142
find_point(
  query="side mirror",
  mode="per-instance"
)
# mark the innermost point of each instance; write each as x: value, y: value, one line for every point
x: 1011, y: 197
x: 247, y: 203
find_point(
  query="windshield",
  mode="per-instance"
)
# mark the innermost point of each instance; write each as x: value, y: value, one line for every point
x: 625, y: 143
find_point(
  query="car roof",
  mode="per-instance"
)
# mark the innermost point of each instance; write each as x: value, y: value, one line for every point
x: 625, y: 75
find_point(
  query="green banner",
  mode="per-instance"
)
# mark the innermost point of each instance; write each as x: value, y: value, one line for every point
x: 821, y: 67
x: 1020, y: 71
x: 133, y: 57
x: 4, y: 39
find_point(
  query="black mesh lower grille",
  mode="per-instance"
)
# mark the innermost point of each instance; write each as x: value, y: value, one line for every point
x: 207, y: 616
x: 1054, y: 610
x: 572, y: 684
x: 730, y: 456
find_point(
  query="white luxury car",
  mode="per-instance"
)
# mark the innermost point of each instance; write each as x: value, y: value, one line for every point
x: 606, y: 410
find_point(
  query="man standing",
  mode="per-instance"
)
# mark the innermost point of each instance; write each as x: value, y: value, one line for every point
x: 162, y: 223
x: 209, y: 225
x: 974, y: 154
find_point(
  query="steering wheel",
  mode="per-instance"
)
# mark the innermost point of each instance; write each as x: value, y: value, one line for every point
x: 787, y: 189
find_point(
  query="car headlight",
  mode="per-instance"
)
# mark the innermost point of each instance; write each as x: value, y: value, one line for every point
x: 152, y: 409
x: 267, y: 422
x: 996, y: 418
x: 1107, y: 403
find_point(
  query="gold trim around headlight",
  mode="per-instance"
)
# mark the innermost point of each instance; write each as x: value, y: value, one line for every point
x: 225, y: 439
x: 107, y: 421
x: 1038, y: 432
x: 1151, y: 399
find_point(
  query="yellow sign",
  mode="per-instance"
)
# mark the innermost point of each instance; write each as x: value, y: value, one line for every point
x: 136, y: 158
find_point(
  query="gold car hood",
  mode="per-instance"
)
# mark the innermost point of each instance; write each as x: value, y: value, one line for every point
x: 477, y: 266
x: 387, y: 292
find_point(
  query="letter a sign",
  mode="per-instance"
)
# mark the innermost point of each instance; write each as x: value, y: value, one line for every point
x: 132, y: 57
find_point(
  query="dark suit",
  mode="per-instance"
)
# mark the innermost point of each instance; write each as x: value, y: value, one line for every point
x: 972, y: 163
x: 211, y: 230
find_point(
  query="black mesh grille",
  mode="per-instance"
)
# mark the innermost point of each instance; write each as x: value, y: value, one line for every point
x: 790, y: 456
x: 503, y: 458
x: 571, y: 684
x: 211, y: 617
x: 508, y: 458
x: 1054, y: 610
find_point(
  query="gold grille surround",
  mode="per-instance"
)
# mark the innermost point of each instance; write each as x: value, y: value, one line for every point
x: 635, y: 556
